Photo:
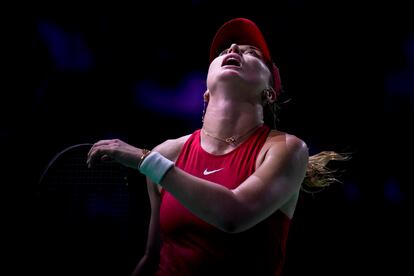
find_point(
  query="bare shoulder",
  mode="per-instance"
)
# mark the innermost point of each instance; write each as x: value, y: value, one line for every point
x: 284, y: 146
x: 285, y: 141
x: 171, y: 148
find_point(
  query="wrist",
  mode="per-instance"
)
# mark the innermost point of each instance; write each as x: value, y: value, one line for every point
x: 144, y: 154
x: 155, y: 166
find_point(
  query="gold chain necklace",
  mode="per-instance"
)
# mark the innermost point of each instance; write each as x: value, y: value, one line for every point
x: 232, y: 140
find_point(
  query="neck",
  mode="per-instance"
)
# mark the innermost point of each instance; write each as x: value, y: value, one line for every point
x: 233, y: 140
x: 231, y: 121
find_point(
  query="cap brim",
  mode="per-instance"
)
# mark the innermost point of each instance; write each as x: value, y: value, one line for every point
x: 240, y: 31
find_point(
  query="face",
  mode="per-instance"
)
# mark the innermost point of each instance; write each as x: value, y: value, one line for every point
x: 241, y: 66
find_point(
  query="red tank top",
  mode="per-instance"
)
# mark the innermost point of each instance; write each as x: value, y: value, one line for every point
x: 193, y: 247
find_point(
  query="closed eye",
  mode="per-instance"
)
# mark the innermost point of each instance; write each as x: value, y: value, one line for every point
x: 253, y: 52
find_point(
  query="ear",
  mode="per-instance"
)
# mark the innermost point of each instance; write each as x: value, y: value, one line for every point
x: 269, y: 95
x: 206, y: 96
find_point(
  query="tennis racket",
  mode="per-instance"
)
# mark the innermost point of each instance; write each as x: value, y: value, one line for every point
x: 82, y: 213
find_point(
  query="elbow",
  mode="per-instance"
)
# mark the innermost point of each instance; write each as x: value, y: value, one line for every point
x: 234, y: 223
x: 233, y: 227
x: 229, y: 227
x: 233, y: 217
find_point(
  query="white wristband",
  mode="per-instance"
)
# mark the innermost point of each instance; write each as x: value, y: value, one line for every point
x: 155, y: 166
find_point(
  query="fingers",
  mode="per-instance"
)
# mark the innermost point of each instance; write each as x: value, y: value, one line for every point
x: 93, y: 155
x: 111, y: 150
x: 100, y: 150
x: 100, y: 143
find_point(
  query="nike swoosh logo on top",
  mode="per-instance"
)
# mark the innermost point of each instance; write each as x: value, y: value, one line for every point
x: 207, y: 172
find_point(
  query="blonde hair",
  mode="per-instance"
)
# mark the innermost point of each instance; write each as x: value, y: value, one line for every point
x: 318, y: 174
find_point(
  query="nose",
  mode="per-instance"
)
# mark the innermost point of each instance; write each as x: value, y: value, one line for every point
x: 234, y: 48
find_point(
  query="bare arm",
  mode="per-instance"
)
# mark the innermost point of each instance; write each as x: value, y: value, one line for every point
x: 150, y: 259
x: 275, y: 181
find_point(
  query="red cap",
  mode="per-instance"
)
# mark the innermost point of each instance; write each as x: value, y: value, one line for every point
x: 243, y: 31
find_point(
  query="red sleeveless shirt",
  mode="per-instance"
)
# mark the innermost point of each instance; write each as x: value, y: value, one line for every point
x: 193, y: 247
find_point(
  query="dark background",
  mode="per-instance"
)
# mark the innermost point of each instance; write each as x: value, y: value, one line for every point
x: 79, y: 74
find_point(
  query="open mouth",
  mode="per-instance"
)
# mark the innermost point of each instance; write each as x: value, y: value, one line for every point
x: 232, y: 60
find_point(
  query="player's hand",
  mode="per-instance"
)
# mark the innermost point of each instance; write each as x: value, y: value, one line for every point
x: 114, y: 150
